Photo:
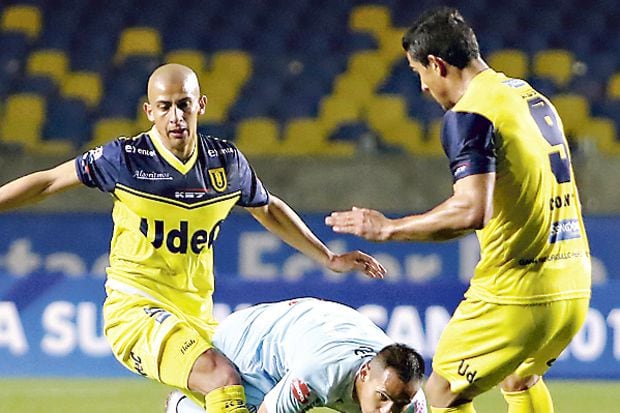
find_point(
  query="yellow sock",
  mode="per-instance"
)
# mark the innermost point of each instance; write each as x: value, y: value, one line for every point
x: 461, y: 408
x: 536, y: 399
x: 227, y: 399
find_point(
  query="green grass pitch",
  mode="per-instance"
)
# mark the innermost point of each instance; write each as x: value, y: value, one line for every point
x: 144, y: 396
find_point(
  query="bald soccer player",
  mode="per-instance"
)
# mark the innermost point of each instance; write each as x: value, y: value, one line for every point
x: 158, y: 309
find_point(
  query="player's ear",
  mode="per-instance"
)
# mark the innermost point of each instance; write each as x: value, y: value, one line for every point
x: 365, y: 372
x: 203, y: 104
x: 149, y: 111
x: 438, y: 65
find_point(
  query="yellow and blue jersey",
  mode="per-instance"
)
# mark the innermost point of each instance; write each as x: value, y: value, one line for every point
x: 167, y: 213
x: 534, y: 249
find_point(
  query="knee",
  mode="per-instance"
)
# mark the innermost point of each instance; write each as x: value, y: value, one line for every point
x: 515, y: 383
x: 211, y: 371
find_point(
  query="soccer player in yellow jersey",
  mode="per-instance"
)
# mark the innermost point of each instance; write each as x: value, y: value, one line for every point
x: 514, y: 186
x: 172, y: 189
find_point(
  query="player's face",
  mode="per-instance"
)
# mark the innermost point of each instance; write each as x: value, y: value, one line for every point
x: 382, y: 391
x: 432, y: 80
x: 174, y: 108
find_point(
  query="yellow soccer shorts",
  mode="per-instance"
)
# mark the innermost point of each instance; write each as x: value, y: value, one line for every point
x: 152, y: 339
x: 484, y: 343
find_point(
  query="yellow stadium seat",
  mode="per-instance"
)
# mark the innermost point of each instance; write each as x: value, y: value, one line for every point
x: 258, y: 136
x: 23, y: 119
x: 48, y: 62
x: 191, y: 58
x: 141, y: 41
x: 370, y: 18
x: 574, y: 111
x: 307, y: 136
x: 370, y: 65
x: 556, y: 64
x: 390, y: 44
x: 405, y: 133
x: 22, y: 18
x: 354, y: 86
x: 234, y: 64
x: 337, y: 109
x: 604, y: 133
x: 514, y: 63
x: 432, y: 142
x: 385, y: 111
x: 108, y: 129
x: 86, y: 86
x: 613, y: 86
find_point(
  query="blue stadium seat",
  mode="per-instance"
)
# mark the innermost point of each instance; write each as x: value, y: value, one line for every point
x: 41, y: 85
x: 219, y: 130
x: 67, y: 119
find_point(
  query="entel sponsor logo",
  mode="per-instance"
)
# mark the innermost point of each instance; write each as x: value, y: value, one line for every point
x: 140, y: 151
x: 152, y: 176
x: 301, y: 391
x: 213, y: 152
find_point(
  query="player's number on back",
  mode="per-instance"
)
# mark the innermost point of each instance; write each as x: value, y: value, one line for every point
x: 550, y: 129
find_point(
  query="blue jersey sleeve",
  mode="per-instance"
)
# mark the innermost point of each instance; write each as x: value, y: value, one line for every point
x: 99, y: 167
x: 253, y: 193
x: 468, y: 140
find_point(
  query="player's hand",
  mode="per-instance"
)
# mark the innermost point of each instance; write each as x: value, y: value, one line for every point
x: 366, y: 223
x: 357, y: 261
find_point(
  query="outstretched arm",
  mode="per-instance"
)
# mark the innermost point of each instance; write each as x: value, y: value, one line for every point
x: 468, y: 209
x: 281, y: 220
x: 38, y: 185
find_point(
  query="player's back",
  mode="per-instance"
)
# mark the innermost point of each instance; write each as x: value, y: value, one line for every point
x: 534, y: 249
x: 321, y: 342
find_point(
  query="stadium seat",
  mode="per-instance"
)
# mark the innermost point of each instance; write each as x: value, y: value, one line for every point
x: 258, y: 136
x: 370, y: 65
x: 52, y: 63
x: 234, y: 64
x: 40, y: 85
x: 613, y: 87
x: 108, y: 129
x: 22, y: 18
x: 22, y: 124
x: 385, y: 111
x: 432, y: 141
x: 86, y: 86
x: 603, y: 133
x: 337, y: 109
x: 67, y: 120
x: 191, y: 58
x: 307, y: 136
x: 140, y: 41
x: 512, y: 62
x: 370, y: 18
x: 556, y: 64
x: 574, y: 110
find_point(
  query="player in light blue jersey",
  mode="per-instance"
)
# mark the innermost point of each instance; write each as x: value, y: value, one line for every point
x: 298, y: 354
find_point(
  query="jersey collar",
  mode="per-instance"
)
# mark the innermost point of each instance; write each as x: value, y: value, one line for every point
x: 176, y: 163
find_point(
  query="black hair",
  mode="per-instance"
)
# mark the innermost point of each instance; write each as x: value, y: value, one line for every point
x: 405, y: 361
x: 442, y: 32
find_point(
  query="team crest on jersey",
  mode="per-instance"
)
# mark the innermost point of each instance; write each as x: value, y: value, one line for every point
x: 301, y: 391
x: 217, y: 176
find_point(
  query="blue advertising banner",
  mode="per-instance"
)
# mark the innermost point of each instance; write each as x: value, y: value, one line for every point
x: 52, y: 270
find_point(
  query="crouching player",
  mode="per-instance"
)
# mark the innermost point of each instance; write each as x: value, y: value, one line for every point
x: 298, y: 354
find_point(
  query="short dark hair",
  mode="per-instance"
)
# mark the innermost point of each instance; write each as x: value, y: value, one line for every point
x: 405, y: 361
x: 442, y: 32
